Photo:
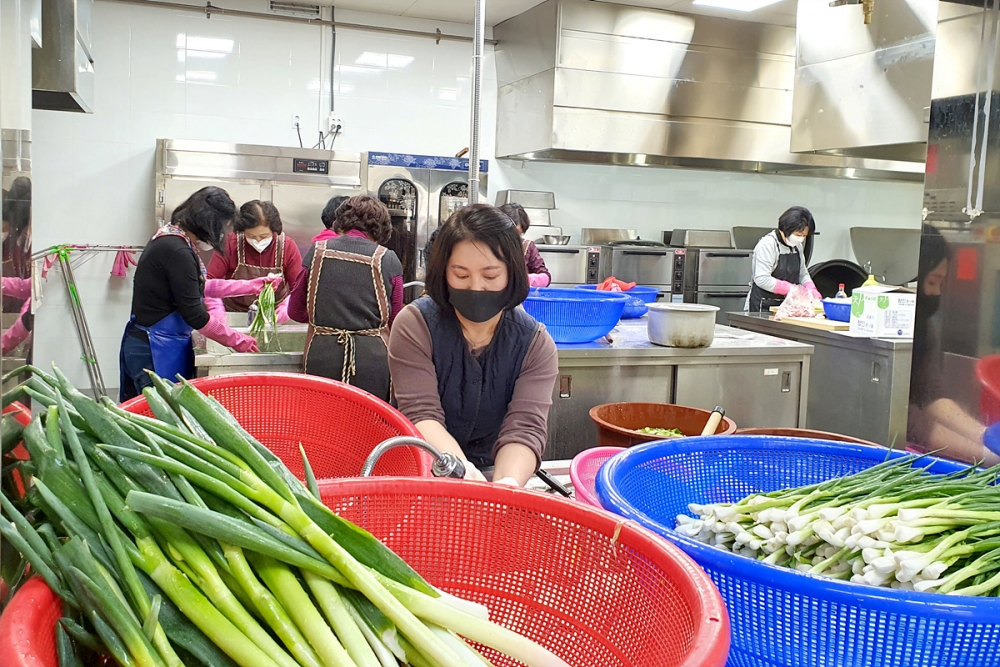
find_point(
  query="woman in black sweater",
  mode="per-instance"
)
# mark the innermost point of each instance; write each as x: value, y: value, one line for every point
x: 168, y: 295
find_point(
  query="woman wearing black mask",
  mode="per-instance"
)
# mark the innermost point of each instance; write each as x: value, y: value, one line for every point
x: 470, y: 369
x: 937, y: 423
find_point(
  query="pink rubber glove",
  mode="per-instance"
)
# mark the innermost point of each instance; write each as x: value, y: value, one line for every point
x: 17, y: 288
x: 218, y: 330
x: 281, y: 312
x: 811, y: 286
x: 782, y: 287
x: 217, y: 288
x: 538, y: 280
x: 17, y: 333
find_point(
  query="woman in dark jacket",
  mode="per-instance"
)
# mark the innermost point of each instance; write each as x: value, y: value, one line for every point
x: 349, y: 291
x: 538, y: 274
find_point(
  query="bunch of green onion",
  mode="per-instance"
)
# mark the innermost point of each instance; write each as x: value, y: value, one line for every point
x: 893, y: 525
x: 181, y: 540
x: 264, y: 326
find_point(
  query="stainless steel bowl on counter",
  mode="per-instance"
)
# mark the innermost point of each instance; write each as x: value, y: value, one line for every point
x: 551, y: 239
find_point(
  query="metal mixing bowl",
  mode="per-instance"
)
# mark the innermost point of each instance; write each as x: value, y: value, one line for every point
x: 551, y: 239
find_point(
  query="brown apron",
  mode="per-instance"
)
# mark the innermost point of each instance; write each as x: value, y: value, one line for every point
x: 244, y: 271
x: 345, y: 338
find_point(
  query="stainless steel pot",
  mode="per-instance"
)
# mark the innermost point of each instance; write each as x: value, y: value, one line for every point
x: 681, y: 324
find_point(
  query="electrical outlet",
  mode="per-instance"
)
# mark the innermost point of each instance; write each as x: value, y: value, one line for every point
x: 295, y: 122
x: 334, y: 125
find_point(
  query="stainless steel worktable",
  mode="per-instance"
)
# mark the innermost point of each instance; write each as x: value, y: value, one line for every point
x: 760, y: 380
x: 860, y: 386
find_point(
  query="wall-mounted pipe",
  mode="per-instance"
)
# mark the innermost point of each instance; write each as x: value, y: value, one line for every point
x: 209, y: 9
x: 477, y: 89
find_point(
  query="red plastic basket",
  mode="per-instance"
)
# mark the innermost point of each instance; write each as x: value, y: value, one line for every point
x: 988, y: 374
x: 22, y: 415
x: 583, y: 472
x: 337, y: 424
x: 28, y: 627
x: 595, y: 590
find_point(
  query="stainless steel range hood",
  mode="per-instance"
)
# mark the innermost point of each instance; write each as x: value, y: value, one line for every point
x: 864, y: 90
x: 63, y: 69
x: 611, y: 84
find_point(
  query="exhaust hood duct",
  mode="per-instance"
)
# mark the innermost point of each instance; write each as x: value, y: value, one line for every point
x: 63, y: 69
x: 612, y: 84
x: 864, y: 90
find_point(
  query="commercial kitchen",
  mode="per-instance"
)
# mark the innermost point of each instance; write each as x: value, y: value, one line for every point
x: 745, y: 410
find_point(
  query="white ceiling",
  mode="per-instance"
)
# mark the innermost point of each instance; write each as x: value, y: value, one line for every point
x: 462, y: 11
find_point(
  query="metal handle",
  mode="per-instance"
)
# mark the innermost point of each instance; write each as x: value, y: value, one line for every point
x: 786, y: 382
x: 562, y: 251
x: 727, y: 254
x: 446, y: 464
x: 661, y: 253
x: 724, y: 295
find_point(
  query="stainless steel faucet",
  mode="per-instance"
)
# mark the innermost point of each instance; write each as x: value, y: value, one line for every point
x: 446, y: 464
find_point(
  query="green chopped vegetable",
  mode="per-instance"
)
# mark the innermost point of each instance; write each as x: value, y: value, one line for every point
x: 662, y: 432
x: 265, y: 322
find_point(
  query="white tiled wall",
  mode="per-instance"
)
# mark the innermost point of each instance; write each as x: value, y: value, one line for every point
x: 168, y: 74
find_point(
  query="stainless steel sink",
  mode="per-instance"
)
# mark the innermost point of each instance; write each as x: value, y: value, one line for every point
x: 291, y: 338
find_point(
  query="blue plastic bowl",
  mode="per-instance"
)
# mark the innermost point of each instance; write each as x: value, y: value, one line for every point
x: 575, y: 316
x: 780, y: 617
x: 641, y: 292
x: 838, y: 312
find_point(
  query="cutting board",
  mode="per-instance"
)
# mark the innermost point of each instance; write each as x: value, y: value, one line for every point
x: 818, y: 323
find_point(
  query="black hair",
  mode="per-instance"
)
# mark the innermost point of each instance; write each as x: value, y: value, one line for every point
x: 17, y: 206
x: 257, y: 213
x: 206, y: 214
x: 517, y: 215
x: 933, y: 250
x: 367, y: 215
x: 483, y: 224
x: 796, y: 219
x: 329, y: 214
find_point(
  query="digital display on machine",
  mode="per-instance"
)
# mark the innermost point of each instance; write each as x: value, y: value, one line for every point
x: 303, y: 166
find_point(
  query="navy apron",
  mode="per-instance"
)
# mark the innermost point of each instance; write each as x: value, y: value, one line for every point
x: 789, y: 269
x: 169, y: 345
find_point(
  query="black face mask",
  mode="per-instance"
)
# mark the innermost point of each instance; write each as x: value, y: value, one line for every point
x: 477, y: 305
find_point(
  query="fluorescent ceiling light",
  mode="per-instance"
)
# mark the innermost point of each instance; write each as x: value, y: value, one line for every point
x: 390, y: 60
x: 399, y: 62
x: 736, y: 5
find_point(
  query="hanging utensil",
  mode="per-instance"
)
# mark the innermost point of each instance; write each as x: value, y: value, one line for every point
x: 714, y: 420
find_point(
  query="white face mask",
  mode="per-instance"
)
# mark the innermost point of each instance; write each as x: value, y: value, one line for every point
x: 794, y: 240
x: 260, y: 246
x: 204, y: 246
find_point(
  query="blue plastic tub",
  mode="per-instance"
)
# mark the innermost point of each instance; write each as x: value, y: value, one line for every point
x: 575, y: 316
x: 638, y: 297
x: 780, y: 617
x: 838, y: 312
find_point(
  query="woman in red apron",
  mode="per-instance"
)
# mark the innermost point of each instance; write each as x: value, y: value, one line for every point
x: 257, y: 248
x: 168, y: 295
x: 350, y: 290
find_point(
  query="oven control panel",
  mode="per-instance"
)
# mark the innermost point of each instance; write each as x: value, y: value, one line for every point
x: 680, y: 257
x: 593, y: 265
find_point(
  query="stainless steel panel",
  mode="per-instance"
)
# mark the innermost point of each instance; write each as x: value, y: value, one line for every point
x: 63, y: 69
x: 720, y: 268
x: 300, y: 206
x: 756, y: 394
x: 176, y: 190
x: 527, y: 199
x: 15, y: 147
x: 599, y: 236
x: 727, y: 302
x: 407, y: 228
x: 893, y: 254
x: 566, y: 264
x: 526, y: 43
x: 645, y: 266
x: 537, y: 232
x: 571, y: 430
x: 746, y: 238
x: 701, y: 238
x: 864, y: 93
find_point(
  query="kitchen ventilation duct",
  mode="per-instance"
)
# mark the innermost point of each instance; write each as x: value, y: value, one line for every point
x: 612, y: 84
x: 63, y: 69
x: 864, y: 90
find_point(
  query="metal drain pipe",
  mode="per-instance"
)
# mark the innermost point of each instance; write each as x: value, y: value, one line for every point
x: 478, y: 46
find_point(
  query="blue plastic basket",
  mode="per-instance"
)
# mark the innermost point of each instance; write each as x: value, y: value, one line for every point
x: 838, y: 312
x: 575, y: 316
x: 780, y: 617
x: 638, y: 296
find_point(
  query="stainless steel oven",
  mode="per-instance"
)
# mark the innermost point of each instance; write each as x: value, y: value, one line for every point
x: 644, y: 263
x: 717, y: 277
x: 571, y: 265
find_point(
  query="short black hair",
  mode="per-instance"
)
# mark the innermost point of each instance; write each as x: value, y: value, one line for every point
x: 257, y: 213
x: 367, y: 215
x: 796, y: 219
x: 329, y: 214
x: 17, y: 206
x: 484, y: 224
x: 934, y: 249
x: 517, y: 215
x: 206, y: 214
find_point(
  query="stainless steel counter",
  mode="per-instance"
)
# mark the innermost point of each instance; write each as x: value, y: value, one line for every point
x: 860, y: 385
x: 760, y: 380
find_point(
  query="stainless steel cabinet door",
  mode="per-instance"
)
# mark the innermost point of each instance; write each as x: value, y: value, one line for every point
x: 571, y: 429
x: 728, y: 302
x: 757, y: 394
x: 567, y: 265
x: 723, y: 268
x: 645, y: 266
